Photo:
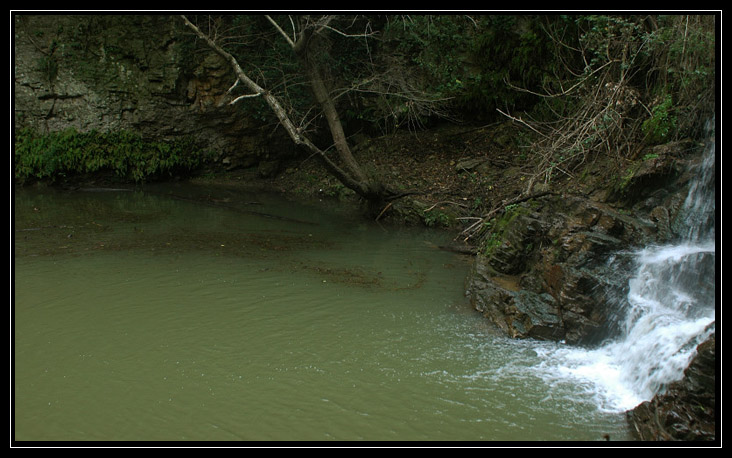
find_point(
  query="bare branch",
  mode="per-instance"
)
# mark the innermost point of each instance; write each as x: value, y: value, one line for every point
x: 519, y: 120
x: 236, y: 83
x: 294, y: 30
x: 282, y: 32
x: 350, y: 35
x: 323, y: 23
x: 564, y: 91
x: 247, y: 96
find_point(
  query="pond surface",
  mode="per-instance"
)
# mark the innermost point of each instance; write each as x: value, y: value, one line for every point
x: 196, y: 313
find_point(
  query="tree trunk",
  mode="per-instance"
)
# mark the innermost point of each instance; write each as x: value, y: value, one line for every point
x: 322, y: 96
x: 353, y: 178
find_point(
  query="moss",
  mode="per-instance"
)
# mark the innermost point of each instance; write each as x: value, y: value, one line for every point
x: 499, y: 226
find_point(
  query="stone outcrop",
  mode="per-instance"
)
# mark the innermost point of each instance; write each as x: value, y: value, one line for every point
x: 544, y: 269
x: 550, y: 267
x: 138, y: 73
x: 686, y: 411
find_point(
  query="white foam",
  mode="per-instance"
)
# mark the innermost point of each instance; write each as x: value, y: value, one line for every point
x: 669, y: 310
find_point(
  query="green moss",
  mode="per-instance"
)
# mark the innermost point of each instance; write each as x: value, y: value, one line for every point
x: 68, y: 153
x: 499, y: 226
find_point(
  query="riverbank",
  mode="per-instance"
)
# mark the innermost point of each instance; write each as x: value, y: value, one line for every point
x: 456, y: 173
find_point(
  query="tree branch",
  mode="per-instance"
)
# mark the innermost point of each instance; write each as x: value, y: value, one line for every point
x: 359, y: 186
x: 282, y: 32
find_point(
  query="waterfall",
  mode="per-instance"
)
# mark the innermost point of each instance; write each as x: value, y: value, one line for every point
x: 668, y: 311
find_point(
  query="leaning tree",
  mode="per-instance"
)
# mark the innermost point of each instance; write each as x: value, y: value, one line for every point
x: 305, y: 36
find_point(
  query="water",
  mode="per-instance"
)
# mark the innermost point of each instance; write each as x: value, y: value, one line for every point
x: 155, y: 316
x: 669, y: 310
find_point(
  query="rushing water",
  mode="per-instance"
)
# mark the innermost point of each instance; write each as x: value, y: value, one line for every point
x: 669, y: 310
x: 192, y: 313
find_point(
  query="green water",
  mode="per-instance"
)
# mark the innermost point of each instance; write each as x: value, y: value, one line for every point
x: 192, y: 313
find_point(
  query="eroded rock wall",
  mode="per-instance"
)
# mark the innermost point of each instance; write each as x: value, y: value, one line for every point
x: 142, y: 73
x: 544, y: 269
x: 544, y: 272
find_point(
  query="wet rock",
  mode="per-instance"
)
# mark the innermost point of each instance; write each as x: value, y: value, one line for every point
x: 686, y: 410
x: 656, y: 171
x: 543, y: 270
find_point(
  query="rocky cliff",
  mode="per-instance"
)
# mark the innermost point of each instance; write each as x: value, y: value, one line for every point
x: 543, y: 270
x: 137, y: 73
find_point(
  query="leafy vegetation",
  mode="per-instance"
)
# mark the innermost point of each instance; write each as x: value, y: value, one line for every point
x: 622, y: 82
x: 582, y: 85
x: 662, y: 123
x: 124, y: 154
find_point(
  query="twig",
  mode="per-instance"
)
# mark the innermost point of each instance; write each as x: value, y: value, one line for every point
x: 246, y: 96
x: 446, y: 202
x: 384, y: 210
x: 282, y: 32
x: 522, y: 122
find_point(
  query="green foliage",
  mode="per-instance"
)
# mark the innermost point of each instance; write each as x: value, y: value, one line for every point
x: 434, y: 218
x: 469, y: 59
x: 70, y: 153
x: 508, y: 49
x: 662, y: 123
x: 426, y: 41
x: 604, y: 36
x: 686, y: 46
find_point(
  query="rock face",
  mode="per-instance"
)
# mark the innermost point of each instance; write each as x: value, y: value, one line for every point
x: 138, y: 73
x: 686, y: 410
x: 543, y: 272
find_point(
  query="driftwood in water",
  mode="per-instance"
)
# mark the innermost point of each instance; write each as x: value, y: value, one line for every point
x: 459, y: 248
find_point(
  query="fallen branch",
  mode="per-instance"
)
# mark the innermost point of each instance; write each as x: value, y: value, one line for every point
x: 474, y: 228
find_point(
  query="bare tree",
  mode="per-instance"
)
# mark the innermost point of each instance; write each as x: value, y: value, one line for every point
x: 305, y: 32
